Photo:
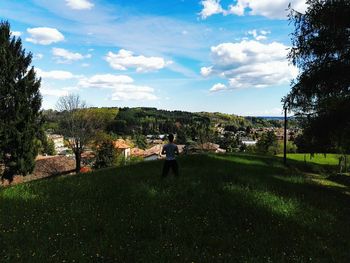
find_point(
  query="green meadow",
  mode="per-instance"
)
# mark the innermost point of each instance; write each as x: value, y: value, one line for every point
x: 223, y: 208
x: 318, y: 158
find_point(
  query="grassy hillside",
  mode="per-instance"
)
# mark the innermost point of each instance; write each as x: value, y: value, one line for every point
x: 237, y: 208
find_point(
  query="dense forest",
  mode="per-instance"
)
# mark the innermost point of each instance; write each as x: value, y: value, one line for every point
x: 128, y: 121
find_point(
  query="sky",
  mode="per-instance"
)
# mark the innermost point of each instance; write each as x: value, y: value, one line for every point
x: 194, y: 55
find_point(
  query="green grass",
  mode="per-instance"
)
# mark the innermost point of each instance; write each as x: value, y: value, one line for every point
x: 234, y: 208
x: 319, y: 158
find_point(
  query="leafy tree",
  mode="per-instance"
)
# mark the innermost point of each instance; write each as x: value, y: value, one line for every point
x: 321, y: 94
x: 266, y: 141
x: 49, y: 147
x: 140, y: 141
x: 279, y: 147
x: 182, y: 136
x: 20, y: 103
x: 228, y: 142
x: 78, y: 123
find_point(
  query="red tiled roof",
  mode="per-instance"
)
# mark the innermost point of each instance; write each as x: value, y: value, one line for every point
x: 137, y: 152
x: 120, y: 144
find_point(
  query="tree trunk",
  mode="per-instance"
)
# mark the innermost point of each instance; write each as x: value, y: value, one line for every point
x: 345, y: 163
x: 77, y: 161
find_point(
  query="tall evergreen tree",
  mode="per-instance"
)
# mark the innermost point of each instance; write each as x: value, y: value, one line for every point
x: 20, y: 103
x: 321, y: 92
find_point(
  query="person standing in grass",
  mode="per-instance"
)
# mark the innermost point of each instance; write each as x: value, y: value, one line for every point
x: 170, y: 150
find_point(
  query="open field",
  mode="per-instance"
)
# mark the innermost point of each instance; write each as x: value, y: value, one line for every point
x: 319, y: 158
x: 223, y: 208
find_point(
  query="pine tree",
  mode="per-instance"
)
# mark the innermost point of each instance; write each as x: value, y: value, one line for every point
x: 20, y: 103
x: 106, y: 155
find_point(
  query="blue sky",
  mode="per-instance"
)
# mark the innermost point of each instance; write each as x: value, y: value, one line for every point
x: 194, y: 55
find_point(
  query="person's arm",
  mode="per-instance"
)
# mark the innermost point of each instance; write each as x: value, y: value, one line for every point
x: 163, y: 150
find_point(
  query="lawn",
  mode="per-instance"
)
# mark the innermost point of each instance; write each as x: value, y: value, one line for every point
x: 223, y: 208
x: 318, y: 158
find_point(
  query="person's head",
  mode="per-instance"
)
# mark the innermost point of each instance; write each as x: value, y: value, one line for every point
x: 171, y: 137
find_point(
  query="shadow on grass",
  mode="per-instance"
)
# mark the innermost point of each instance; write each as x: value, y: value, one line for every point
x: 340, y: 179
x: 240, y: 208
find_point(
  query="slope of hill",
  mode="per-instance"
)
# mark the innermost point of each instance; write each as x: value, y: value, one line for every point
x: 237, y: 208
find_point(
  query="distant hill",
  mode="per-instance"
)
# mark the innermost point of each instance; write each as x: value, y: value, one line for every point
x: 145, y: 120
x: 152, y: 120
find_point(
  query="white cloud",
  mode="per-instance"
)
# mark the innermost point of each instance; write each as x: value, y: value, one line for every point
x: 133, y: 92
x: 218, y: 87
x: 79, y: 4
x: 273, y: 8
x: 125, y: 59
x: 210, y: 7
x: 265, y: 32
x: 46, y: 90
x: 44, y: 35
x: 65, y: 56
x: 251, y: 64
x: 16, y: 33
x: 38, y: 56
x: 268, y: 8
x: 258, y: 35
x: 206, y: 71
x: 122, y: 86
x: 55, y: 74
x: 237, y: 9
x: 105, y: 81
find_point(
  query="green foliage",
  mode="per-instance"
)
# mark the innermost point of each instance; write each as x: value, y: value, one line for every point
x: 321, y: 92
x: 51, y: 120
x: 78, y: 123
x: 106, y: 155
x: 154, y: 121
x: 135, y: 159
x: 229, y: 142
x: 222, y: 208
x: 267, y: 143
x: 183, y: 135
x: 261, y: 122
x: 49, y: 147
x: 278, y: 148
x: 140, y: 141
x: 121, y: 160
x: 45, y: 145
x: 20, y: 103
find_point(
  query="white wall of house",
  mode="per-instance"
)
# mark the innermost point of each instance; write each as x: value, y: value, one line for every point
x: 127, y: 153
x: 249, y: 143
